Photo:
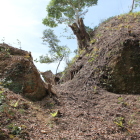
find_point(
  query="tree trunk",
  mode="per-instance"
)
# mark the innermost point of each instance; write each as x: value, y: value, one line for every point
x: 132, y: 7
x: 81, y: 34
x: 59, y: 64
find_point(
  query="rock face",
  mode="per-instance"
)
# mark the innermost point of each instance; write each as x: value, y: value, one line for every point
x: 49, y: 77
x: 50, y: 82
x: 113, y: 59
x: 121, y: 75
x: 19, y: 74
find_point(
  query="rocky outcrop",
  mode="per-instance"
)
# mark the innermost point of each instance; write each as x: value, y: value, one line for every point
x: 50, y: 78
x: 121, y: 72
x: 50, y: 81
x: 19, y: 74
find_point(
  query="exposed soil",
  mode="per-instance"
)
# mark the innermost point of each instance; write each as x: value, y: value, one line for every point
x: 81, y: 116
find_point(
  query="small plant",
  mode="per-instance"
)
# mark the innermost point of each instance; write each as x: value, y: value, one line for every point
x: 121, y: 101
x: 19, y: 43
x: 51, y: 124
x: 12, y: 85
x: 81, y: 51
x: 15, y: 104
x: 71, y: 62
x: 99, y: 35
x: 50, y: 105
x: 4, y: 108
x: 131, y: 120
x: 105, y: 20
x: 120, y: 122
x: 2, y: 97
x: 15, y: 130
x: 95, y: 88
x: 22, y: 111
x: 4, y: 82
x: 92, y: 58
x: 93, y: 41
x: 54, y: 114
x: 5, y: 51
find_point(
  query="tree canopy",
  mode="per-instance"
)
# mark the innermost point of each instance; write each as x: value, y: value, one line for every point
x: 56, y: 52
x: 66, y: 11
x: 70, y: 12
x: 137, y: 3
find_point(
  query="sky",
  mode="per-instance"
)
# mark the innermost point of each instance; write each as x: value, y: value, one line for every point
x: 21, y: 21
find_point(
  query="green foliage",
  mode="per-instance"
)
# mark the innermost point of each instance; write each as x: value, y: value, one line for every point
x: 54, y: 114
x: 92, y: 56
x: 56, y: 52
x: 4, y: 107
x: 18, y: 43
x: 15, y: 130
x: 14, y: 86
x: 119, y: 122
x: 5, y: 82
x: 21, y: 111
x: 95, y: 88
x: 92, y: 41
x: 66, y: 11
x: 121, y: 101
x: 50, y: 38
x: 88, y: 30
x: 137, y: 3
x: 2, y: 97
x: 103, y: 21
x: 15, y: 104
x: 76, y: 51
x: 71, y: 62
x: 5, y: 51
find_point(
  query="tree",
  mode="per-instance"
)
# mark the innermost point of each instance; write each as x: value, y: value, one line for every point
x: 70, y: 12
x: 135, y: 4
x: 56, y: 52
x: 132, y: 7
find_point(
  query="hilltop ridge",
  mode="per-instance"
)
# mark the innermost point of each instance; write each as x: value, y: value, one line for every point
x: 112, y: 59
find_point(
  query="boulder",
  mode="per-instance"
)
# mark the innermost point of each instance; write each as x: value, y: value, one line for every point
x: 50, y: 82
x: 49, y: 77
x: 19, y: 74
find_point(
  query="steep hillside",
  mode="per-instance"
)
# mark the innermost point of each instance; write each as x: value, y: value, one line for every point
x: 112, y: 61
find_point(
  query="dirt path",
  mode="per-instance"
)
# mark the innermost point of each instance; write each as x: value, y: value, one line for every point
x: 97, y: 115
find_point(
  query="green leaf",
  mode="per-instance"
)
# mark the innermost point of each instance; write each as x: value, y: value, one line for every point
x: 66, y: 11
x: 1, y: 92
x: 16, y: 104
x: 54, y: 114
x: 56, y: 52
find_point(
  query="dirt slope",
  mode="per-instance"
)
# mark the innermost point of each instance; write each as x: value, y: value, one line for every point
x: 113, y: 58
x: 19, y: 74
